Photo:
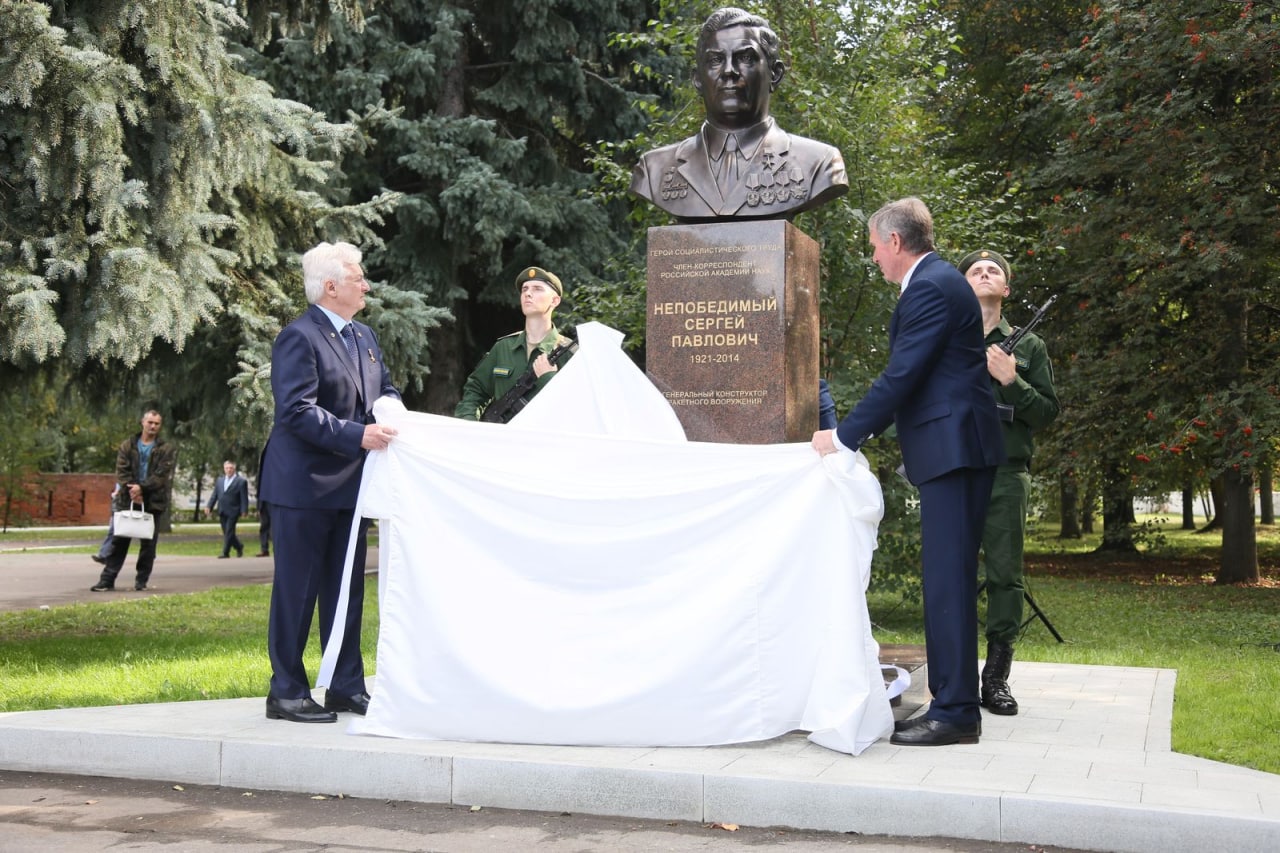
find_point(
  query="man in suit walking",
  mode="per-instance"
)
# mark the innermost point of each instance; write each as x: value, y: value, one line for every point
x: 231, y: 497
x: 936, y: 390
x: 326, y: 373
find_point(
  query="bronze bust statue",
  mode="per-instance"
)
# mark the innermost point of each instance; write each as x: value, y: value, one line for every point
x: 740, y: 165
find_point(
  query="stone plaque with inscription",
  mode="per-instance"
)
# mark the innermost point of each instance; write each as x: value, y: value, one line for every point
x: 732, y: 329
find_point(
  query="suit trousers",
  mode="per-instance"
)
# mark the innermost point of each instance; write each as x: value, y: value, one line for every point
x: 229, y: 538
x: 264, y: 526
x: 1002, y: 544
x: 953, y: 508
x: 310, y: 547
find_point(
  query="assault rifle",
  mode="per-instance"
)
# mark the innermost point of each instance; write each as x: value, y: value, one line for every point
x: 511, y: 403
x: 1008, y: 344
x: 1019, y: 333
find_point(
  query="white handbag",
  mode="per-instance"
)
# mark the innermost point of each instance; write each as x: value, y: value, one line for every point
x: 134, y: 523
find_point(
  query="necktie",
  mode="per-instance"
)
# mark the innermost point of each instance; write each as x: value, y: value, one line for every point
x: 349, y: 338
x: 729, y: 165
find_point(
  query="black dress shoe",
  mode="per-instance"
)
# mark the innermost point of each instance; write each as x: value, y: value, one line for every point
x: 298, y: 711
x: 240, y: 552
x: 903, y: 725
x: 263, y: 554
x: 358, y: 704
x: 223, y: 556
x: 935, y: 733
x: 139, y: 587
x: 99, y: 559
x: 101, y: 587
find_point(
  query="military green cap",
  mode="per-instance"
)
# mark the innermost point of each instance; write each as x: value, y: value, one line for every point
x: 538, y: 273
x: 984, y: 255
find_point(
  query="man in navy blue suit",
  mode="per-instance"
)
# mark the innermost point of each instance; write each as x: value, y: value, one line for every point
x: 935, y: 389
x: 326, y: 373
x: 231, y: 497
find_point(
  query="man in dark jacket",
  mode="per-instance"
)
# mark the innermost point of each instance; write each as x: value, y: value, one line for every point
x: 231, y: 497
x: 327, y: 371
x: 936, y: 391
x: 144, y: 470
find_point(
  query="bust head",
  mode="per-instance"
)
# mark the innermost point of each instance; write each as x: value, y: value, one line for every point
x: 740, y: 164
x: 737, y: 68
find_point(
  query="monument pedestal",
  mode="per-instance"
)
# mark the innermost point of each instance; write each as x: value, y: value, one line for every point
x: 732, y: 329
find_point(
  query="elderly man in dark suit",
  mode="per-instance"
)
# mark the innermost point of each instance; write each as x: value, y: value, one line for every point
x: 231, y: 497
x: 740, y: 165
x: 326, y: 373
x: 936, y: 390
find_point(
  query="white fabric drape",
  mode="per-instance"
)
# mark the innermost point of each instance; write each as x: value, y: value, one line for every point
x: 568, y: 578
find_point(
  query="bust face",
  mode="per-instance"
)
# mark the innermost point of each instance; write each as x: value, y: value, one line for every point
x: 734, y: 77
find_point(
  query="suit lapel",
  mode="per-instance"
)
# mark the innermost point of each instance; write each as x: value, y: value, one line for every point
x: 695, y: 168
x: 366, y: 356
x: 336, y: 344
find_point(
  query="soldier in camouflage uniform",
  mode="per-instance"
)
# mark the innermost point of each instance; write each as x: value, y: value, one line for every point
x: 512, y: 355
x: 1023, y: 385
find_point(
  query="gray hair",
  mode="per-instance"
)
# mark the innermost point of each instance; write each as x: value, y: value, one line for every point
x: 326, y: 262
x: 909, y: 219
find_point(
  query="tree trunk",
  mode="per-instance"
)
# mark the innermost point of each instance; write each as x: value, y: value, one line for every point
x: 1117, y: 508
x: 448, y: 342
x: 1266, y: 493
x: 1069, y: 498
x: 1239, y: 536
x: 1189, y: 507
x: 1215, y: 504
x: 1086, y: 512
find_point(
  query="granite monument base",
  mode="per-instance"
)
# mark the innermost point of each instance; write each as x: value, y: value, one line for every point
x: 732, y: 329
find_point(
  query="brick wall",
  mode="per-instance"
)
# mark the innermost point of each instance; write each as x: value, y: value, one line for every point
x: 55, y: 499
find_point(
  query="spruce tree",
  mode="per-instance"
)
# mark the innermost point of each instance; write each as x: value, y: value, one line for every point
x: 482, y: 115
x: 154, y: 199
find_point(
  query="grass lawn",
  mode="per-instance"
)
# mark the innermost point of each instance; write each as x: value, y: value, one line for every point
x: 1158, y: 608
x: 1153, y: 609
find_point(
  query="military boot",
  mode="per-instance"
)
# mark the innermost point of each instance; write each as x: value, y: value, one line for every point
x: 996, y: 697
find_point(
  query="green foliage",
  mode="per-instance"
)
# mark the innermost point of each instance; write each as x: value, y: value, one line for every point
x: 157, y: 198
x: 895, y: 565
x: 26, y: 450
x: 1138, y: 137
x: 1161, y: 192
x: 480, y: 114
x: 289, y: 17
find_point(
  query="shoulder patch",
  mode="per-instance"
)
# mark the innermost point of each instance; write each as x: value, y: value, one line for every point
x: 502, y: 371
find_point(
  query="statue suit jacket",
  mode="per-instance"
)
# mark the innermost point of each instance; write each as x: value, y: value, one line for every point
x: 935, y: 388
x: 313, y: 457
x: 785, y: 175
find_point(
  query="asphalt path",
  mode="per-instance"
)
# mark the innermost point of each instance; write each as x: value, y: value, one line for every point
x: 33, y: 576
x: 42, y: 812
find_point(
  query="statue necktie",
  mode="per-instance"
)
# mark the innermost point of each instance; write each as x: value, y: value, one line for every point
x: 729, y: 165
